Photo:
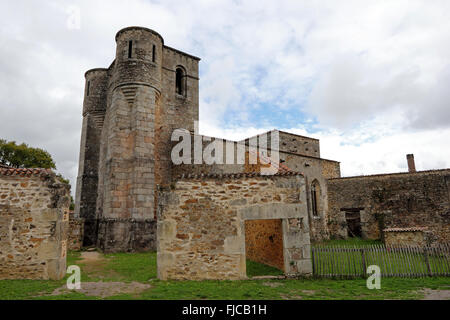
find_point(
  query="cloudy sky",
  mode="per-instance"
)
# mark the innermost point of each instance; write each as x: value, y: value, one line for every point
x: 371, y: 79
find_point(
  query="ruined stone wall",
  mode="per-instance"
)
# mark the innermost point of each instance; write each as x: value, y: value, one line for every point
x: 290, y: 143
x: 201, y: 224
x: 314, y: 169
x: 301, y: 145
x: 409, y: 238
x: 34, y: 218
x: 418, y: 199
x: 330, y: 169
x: 264, y: 242
x: 75, y: 233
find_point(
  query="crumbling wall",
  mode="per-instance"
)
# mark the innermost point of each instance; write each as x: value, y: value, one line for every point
x: 33, y: 224
x: 419, y: 199
x: 201, y: 224
x: 313, y: 168
x: 75, y: 233
x: 292, y: 143
x: 404, y: 236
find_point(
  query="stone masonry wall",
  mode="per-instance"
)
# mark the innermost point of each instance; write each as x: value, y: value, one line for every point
x: 314, y: 169
x: 34, y: 218
x: 126, y: 202
x: 75, y: 234
x: 293, y: 143
x: 400, y: 200
x: 94, y: 107
x: 201, y: 224
x: 264, y: 242
x: 175, y: 111
x: 410, y: 238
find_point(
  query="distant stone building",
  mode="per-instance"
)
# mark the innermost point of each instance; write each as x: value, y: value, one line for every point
x: 366, y: 205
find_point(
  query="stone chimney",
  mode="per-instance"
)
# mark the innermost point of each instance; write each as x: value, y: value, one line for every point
x: 411, y: 164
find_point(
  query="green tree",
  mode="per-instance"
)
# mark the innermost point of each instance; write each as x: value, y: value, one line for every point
x: 24, y: 156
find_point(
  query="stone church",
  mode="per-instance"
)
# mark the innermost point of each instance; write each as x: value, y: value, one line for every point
x: 128, y: 187
x: 129, y: 113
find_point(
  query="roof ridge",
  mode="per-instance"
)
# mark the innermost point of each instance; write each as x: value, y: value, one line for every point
x: 392, y: 173
x: 405, y: 229
x: 238, y: 175
x: 10, y: 171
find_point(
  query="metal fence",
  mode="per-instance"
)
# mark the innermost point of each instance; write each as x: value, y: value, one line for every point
x: 394, y: 261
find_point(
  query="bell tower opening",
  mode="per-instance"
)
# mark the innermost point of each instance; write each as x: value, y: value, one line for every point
x: 179, y: 81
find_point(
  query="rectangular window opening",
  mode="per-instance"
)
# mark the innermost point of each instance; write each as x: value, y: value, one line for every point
x: 88, y: 87
x: 153, y: 53
x: 314, y: 202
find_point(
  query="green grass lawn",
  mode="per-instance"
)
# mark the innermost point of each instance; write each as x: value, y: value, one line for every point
x: 349, y: 242
x: 141, y: 268
x: 259, y: 269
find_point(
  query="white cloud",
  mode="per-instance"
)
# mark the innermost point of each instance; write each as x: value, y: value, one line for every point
x: 387, y: 154
x: 359, y: 152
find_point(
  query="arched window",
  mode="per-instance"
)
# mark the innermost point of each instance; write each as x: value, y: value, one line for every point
x: 180, y: 82
x: 315, y: 198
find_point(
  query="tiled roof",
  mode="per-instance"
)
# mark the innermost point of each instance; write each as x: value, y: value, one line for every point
x: 238, y: 175
x: 8, y: 171
x: 404, y: 229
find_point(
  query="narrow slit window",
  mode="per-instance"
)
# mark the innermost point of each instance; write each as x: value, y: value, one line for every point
x: 153, y: 53
x: 314, y: 201
x: 88, y: 87
x: 130, y: 48
x: 315, y: 196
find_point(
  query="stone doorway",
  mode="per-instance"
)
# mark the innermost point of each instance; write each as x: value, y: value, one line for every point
x: 264, y: 243
x: 353, y: 219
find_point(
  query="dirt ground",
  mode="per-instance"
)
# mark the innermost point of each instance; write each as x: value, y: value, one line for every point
x: 105, y: 289
x: 94, y: 261
x: 436, y: 294
x: 91, y: 256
